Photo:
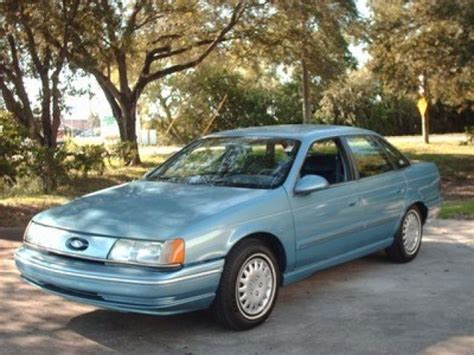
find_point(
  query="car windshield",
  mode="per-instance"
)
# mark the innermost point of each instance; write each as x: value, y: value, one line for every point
x: 260, y: 163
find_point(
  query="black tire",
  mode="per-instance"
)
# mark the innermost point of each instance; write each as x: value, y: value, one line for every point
x: 226, y: 309
x: 399, y: 251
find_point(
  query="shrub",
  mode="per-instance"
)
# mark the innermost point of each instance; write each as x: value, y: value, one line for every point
x: 123, y: 150
x: 87, y: 158
x: 22, y: 158
x: 13, y: 147
x: 49, y: 164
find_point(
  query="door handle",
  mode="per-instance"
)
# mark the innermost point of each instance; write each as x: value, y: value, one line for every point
x: 354, y: 203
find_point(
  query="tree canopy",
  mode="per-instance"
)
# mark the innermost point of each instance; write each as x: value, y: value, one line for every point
x: 199, y: 66
x: 25, y: 54
x: 427, y: 43
x: 215, y: 97
x: 127, y: 45
x: 311, y: 39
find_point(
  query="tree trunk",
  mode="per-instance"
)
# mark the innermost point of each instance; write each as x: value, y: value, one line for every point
x: 124, y: 111
x: 49, y: 178
x: 304, y: 68
x: 425, y: 127
x: 129, y: 133
x: 305, y: 89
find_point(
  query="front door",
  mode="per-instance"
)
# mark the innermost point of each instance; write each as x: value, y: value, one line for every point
x: 328, y: 222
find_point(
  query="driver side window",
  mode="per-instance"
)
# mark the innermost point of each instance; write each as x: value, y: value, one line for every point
x: 325, y: 158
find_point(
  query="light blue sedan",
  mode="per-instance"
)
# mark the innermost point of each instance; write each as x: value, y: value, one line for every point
x: 229, y: 219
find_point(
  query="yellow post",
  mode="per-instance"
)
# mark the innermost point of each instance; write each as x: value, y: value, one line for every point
x: 425, y: 128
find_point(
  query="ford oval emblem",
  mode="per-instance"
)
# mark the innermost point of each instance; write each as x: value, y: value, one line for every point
x: 77, y: 243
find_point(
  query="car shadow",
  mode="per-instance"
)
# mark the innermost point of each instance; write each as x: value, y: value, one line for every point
x: 367, y: 304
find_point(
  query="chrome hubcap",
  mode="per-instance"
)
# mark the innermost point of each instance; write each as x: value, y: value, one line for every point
x: 411, y: 232
x: 255, y: 286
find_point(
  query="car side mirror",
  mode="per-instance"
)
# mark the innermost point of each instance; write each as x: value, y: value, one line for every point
x: 310, y: 183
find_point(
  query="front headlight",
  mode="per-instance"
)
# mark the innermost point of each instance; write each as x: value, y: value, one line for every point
x: 26, y: 233
x: 168, y: 253
x: 41, y: 236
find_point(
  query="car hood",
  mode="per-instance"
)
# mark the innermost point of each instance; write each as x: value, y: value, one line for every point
x: 144, y: 209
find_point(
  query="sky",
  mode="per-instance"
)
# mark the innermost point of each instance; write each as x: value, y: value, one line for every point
x: 359, y: 51
x: 81, y: 107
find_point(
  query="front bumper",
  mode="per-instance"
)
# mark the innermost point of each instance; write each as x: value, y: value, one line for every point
x: 122, y: 288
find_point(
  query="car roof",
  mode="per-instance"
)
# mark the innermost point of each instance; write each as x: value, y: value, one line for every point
x: 296, y: 131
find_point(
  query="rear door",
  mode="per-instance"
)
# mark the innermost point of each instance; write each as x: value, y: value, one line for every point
x: 381, y: 186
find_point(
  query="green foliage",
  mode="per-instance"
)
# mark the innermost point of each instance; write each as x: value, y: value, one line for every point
x: 357, y: 99
x: 214, y: 98
x: 49, y: 164
x: 26, y: 54
x: 12, y: 149
x: 286, y: 99
x: 87, y: 158
x: 316, y: 31
x: 458, y: 209
x: 128, y: 45
x: 21, y: 158
x: 309, y: 40
x: 123, y: 150
x: 425, y: 37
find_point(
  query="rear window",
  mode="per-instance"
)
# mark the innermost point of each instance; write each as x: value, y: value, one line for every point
x: 368, y: 156
x: 397, y: 158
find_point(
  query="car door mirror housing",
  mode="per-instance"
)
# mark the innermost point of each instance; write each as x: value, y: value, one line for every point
x: 310, y: 183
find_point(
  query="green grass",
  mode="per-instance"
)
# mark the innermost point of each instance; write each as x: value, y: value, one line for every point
x: 456, y: 165
x: 455, y: 161
x: 458, y: 209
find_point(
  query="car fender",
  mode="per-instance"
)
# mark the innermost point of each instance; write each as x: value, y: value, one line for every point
x: 215, y: 236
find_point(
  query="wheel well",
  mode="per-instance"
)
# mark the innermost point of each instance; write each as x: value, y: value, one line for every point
x: 273, y: 243
x: 423, y: 209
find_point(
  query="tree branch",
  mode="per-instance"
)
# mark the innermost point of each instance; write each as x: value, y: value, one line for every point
x: 166, y: 37
x: 171, y: 53
x: 56, y: 94
x: 18, y: 81
x: 20, y: 113
x: 11, y: 104
x: 116, y: 110
x: 132, y: 20
x: 146, y: 77
x: 32, y: 45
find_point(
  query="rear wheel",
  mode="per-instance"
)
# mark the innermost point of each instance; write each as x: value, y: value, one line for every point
x: 249, y: 286
x: 407, y: 241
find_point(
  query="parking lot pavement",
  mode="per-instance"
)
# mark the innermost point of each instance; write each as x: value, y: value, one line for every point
x: 366, y: 306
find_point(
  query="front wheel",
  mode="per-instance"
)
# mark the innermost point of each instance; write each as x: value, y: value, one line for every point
x: 407, y: 241
x: 249, y: 286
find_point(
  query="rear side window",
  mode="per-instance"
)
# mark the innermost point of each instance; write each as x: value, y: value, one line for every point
x: 368, y: 156
x: 395, y: 156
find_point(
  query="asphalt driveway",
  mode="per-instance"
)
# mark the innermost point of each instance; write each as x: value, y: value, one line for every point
x: 366, y: 306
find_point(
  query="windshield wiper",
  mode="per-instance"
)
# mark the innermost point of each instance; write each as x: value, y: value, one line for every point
x: 161, y: 178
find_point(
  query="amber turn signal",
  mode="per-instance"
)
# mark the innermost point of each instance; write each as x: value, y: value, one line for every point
x: 173, y: 252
